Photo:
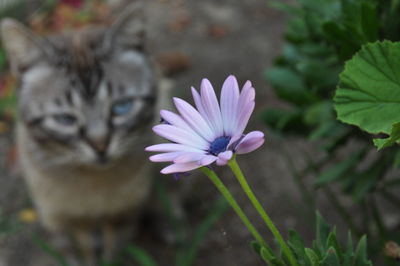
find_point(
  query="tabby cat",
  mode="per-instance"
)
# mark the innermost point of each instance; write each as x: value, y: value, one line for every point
x: 86, y: 101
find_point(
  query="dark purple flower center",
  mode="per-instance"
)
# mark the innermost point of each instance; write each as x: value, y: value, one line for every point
x: 219, y: 145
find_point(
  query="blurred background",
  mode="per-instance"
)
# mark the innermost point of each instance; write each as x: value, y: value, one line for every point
x: 309, y: 161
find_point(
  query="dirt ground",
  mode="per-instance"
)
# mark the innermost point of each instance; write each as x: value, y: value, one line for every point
x: 214, y: 39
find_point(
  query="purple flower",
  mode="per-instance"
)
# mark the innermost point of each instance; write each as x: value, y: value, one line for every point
x: 212, y: 133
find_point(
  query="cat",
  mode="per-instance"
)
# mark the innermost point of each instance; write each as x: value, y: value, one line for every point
x: 86, y: 103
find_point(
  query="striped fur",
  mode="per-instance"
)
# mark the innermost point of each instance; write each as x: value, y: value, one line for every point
x: 83, y: 160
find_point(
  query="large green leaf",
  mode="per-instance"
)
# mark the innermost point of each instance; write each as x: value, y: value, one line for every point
x: 394, y: 137
x: 368, y: 94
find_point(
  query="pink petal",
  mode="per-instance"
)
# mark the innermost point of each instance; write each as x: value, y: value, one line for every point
x: 226, y: 155
x: 211, y: 107
x: 180, y: 167
x: 246, y: 98
x: 171, y: 147
x: 175, y: 120
x: 199, y: 105
x: 194, y: 119
x: 165, y: 157
x: 208, y: 159
x: 180, y: 136
x: 189, y: 157
x: 244, y: 116
x: 234, y: 139
x: 250, y: 142
x: 229, y: 101
x: 247, y: 85
x: 221, y: 162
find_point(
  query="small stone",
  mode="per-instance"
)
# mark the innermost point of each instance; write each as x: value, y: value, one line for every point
x: 392, y: 250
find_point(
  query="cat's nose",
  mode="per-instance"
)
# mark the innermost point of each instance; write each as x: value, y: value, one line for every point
x: 99, y: 144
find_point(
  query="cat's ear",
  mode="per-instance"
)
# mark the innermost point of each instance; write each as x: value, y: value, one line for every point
x: 22, y: 46
x: 128, y: 30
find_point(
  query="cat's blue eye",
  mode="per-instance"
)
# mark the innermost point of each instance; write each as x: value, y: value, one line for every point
x: 122, y: 107
x: 65, y: 119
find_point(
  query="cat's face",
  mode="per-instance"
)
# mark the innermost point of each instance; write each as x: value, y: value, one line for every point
x: 86, y: 97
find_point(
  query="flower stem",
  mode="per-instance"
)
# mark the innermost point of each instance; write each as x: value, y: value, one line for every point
x: 228, y: 196
x: 246, y: 188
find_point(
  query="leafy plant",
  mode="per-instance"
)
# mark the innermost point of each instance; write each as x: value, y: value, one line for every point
x: 368, y: 94
x: 321, y: 36
x: 326, y: 249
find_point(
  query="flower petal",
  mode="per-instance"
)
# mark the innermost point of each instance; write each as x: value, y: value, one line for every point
x: 175, y: 120
x: 211, y: 107
x: 180, y: 136
x: 229, y: 100
x: 171, y: 147
x: 250, y: 142
x: 246, y: 98
x: 194, y: 119
x: 208, y: 159
x: 180, y: 167
x: 189, y: 157
x: 234, y: 141
x: 226, y: 155
x: 165, y: 157
x: 221, y: 162
x: 244, y: 116
x: 199, y: 105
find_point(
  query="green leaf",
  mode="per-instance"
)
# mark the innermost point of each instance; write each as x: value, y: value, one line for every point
x: 50, y: 250
x: 319, y: 112
x: 141, y: 256
x: 312, y: 256
x: 368, y: 94
x: 336, y: 34
x: 268, y: 256
x: 394, y: 137
x: 297, y: 245
x: 396, y: 161
x: 283, y: 120
x: 290, y: 9
x: 369, y: 21
x: 256, y: 247
x: 323, y: 230
x: 361, y: 253
x: 327, y: 129
x: 331, y: 258
x: 289, y: 85
x: 338, y: 170
x: 349, y: 254
x: 332, y: 242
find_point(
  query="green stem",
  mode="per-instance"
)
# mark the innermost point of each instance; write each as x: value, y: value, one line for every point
x: 246, y: 188
x: 228, y: 196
